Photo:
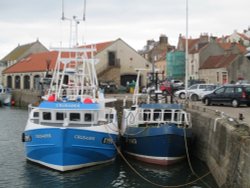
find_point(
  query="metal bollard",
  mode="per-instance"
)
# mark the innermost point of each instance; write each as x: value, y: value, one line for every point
x: 241, y: 117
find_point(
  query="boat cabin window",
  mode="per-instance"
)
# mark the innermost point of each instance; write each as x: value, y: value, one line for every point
x: 177, y: 115
x: 146, y: 115
x: 109, y: 116
x: 88, y: 117
x: 167, y: 115
x: 74, y: 117
x: 46, y: 115
x: 36, y: 114
x: 182, y: 117
x: 59, y: 116
x: 157, y: 114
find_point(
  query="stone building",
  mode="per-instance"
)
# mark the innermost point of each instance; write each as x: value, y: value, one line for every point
x: 117, y: 62
x: 155, y: 52
x: 204, y: 50
x: 241, y: 38
x: 227, y: 68
x: 20, y: 52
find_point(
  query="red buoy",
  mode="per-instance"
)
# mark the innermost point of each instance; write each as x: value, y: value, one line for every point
x: 88, y: 101
x: 52, y: 98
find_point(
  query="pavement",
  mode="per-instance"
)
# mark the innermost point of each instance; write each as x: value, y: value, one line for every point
x: 236, y: 113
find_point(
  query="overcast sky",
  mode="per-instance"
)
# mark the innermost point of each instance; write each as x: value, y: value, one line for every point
x: 134, y: 21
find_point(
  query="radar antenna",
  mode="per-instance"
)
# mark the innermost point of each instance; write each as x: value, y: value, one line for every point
x: 84, y: 11
x: 74, y: 21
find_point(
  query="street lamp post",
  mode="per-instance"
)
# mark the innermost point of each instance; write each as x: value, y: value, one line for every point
x: 186, y: 49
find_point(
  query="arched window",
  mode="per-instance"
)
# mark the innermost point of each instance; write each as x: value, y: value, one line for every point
x: 9, y: 81
x: 36, y: 82
x: 26, y: 82
x: 17, y: 82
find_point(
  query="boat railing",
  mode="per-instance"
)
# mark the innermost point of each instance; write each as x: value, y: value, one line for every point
x: 110, y: 115
x: 75, y: 92
x: 155, y: 116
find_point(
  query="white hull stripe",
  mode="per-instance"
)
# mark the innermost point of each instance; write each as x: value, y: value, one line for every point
x: 157, y: 158
x: 69, y: 167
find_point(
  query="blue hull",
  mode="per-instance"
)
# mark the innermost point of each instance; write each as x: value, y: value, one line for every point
x: 68, y: 149
x: 160, y: 145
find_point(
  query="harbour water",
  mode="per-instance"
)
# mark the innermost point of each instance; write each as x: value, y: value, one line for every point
x: 17, y: 172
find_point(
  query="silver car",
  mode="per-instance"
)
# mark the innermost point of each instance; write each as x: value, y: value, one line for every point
x: 199, y: 94
x: 194, y: 88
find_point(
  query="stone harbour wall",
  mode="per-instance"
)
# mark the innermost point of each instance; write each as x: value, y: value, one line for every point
x: 23, y: 98
x: 224, y: 145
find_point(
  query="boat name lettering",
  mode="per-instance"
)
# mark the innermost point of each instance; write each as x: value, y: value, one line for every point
x: 81, y: 137
x: 68, y: 105
x: 43, y: 136
x: 132, y: 141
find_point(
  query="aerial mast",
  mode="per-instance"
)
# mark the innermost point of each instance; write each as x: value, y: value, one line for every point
x: 74, y: 21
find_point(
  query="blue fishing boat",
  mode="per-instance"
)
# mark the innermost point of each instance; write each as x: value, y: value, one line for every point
x: 72, y: 127
x: 154, y: 131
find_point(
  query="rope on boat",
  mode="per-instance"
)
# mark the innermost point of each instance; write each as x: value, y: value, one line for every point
x: 149, y: 181
x: 127, y: 117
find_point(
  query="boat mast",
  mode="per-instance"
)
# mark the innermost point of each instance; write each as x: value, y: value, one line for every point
x: 74, y: 21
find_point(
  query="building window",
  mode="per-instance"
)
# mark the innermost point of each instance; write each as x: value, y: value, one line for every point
x: 9, y: 81
x: 26, y: 82
x: 17, y: 82
x: 218, y: 77
x: 111, y: 58
x: 192, y: 69
x: 36, y: 82
x: 224, y: 78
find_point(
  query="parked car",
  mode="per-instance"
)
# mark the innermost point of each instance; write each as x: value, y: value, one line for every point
x: 108, y: 86
x: 199, y: 94
x: 234, y: 95
x: 167, y: 87
x: 177, y: 83
x: 196, y: 87
x: 242, y: 82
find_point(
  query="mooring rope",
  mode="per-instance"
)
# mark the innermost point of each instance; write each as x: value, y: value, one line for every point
x: 147, y: 180
x: 189, y: 161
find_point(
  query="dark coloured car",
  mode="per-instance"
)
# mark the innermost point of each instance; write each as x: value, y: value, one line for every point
x: 234, y: 95
x: 108, y: 86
